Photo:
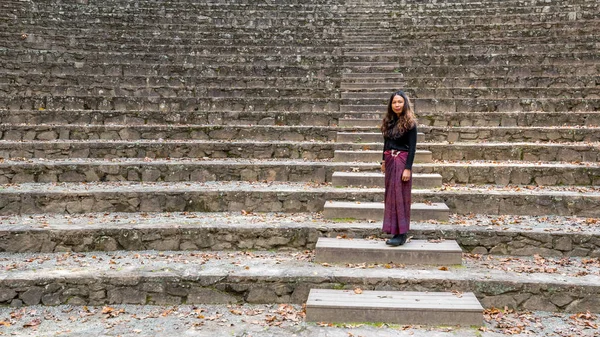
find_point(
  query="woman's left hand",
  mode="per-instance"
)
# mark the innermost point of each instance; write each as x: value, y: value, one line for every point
x: 406, y: 175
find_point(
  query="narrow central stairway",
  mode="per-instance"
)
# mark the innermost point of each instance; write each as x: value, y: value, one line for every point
x: 369, y: 79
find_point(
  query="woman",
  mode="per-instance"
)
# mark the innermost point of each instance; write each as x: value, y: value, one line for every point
x: 399, y: 129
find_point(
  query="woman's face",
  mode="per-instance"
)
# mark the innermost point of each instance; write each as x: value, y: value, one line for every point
x: 397, y: 104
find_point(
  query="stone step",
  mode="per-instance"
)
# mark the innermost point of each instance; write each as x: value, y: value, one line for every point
x: 110, y: 68
x: 551, y: 236
x: 475, y: 59
x: 384, y: 8
x: 511, y: 134
x: 167, y: 132
x: 109, y: 149
x: 512, y: 70
x: 370, y: 7
x: 291, y: 118
x: 137, y: 82
x: 364, y: 136
x: 217, y: 41
x: 557, y: 58
x: 288, y: 197
x: 363, y: 44
x: 152, y: 170
x: 168, y: 104
x: 375, y: 179
x: 155, y: 48
x: 436, y: 308
x: 375, y: 156
x: 434, y: 47
x: 532, y: 81
x: 370, y: 98
x: 507, y: 119
x: 451, y: 105
x: 172, y: 92
x: 124, y: 57
x: 312, y: 11
x: 173, y: 70
x: 149, y: 278
x: 374, y: 211
x: 176, y: 117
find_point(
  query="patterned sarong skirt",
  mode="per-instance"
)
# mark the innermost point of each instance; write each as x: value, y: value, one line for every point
x: 396, y: 219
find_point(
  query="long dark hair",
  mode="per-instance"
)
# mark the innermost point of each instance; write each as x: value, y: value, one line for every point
x: 393, y: 126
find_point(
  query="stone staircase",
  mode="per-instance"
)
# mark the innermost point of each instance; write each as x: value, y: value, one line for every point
x: 211, y: 133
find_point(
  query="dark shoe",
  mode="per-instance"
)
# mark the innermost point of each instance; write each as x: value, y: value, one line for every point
x: 397, y: 240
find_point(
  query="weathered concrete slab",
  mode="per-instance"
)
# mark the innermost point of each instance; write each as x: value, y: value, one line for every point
x: 367, y: 137
x: 374, y: 211
x: 356, y: 251
x: 376, y: 179
x: 346, y: 306
x: 421, y: 156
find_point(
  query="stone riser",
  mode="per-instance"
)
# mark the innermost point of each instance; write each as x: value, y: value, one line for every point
x: 467, y: 60
x: 481, y: 151
x: 184, y: 91
x: 475, y: 4
x: 377, y: 180
x: 76, y: 57
x: 169, y: 104
x: 448, y: 105
x: 525, y: 70
x: 450, y: 40
x: 205, y: 71
x: 509, y: 119
x: 160, y: 149
x: 316, y: 10
x: 365, y: 44
x: 199, y: 200
x: 371, y: 98
x: 427, y: 118
x: 292, y: 58
x: 151, y: 47
x: 304, y: 150
x: 495, y: 82
x: 176, y: 81
x: 133, y: 117
x: 205, y: 287
x: 479, y: 134
x: 128, y: 237
x: 556, y: 175
x: 78, y: 20
x: 382, y: 6
x: 167, y: 132
x: 535, y: 30
x: 512, y: 135
x: 420, y: 23
x: 216, y: 40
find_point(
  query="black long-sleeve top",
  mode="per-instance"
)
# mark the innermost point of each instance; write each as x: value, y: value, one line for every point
x: 406, y: 142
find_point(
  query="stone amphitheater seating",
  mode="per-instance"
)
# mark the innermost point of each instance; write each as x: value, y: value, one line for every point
x: 182, y: 106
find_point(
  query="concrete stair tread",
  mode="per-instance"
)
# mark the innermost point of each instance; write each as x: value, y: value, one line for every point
x: 398, y: 300
x: 421, y: 252
x: 380, y: 205
x: 393, y: 307
x: 379, y: 174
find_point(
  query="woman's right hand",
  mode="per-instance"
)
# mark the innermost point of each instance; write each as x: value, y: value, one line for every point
x: 383, y: 166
